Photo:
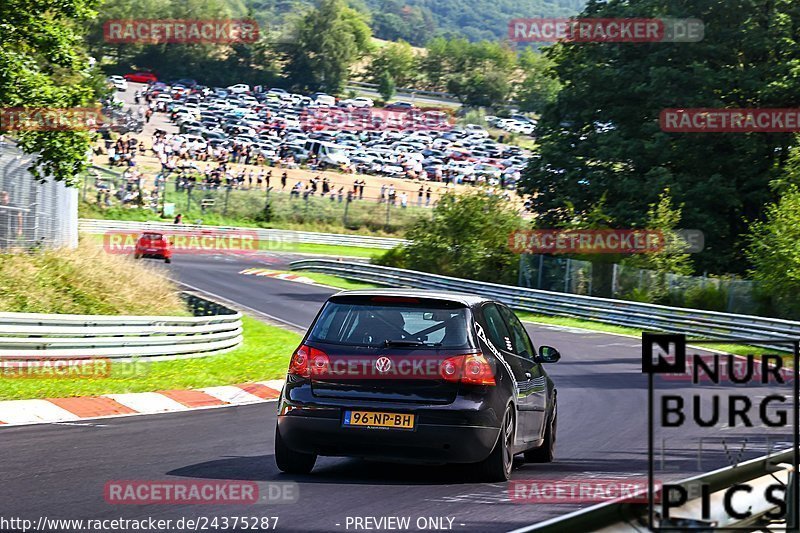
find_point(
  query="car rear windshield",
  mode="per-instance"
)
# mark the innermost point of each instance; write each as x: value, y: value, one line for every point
x: 393, y: 322
x: 152, y: 236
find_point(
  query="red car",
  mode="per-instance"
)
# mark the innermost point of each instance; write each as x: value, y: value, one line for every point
x: 154, y: 245
x: 141, y: 77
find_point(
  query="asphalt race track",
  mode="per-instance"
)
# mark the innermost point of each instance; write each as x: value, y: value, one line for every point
x: 59, y: 470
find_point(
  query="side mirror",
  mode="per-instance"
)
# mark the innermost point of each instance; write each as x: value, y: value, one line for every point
x: 548, y: 354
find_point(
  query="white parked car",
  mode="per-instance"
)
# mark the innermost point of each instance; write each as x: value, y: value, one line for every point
x: 119, y: 83
x: 360, y: 101
x: 323, y: 99
x: 514, y: 126
x: 462, y: 168
x: 474, y: 130
x: 239, y: 88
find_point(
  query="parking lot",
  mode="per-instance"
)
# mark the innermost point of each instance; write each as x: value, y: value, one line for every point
x: 220, y: 133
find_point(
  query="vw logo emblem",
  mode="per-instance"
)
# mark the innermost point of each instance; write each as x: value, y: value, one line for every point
x: 383, y: 364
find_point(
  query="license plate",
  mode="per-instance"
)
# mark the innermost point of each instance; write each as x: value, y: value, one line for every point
x: 371, y: 419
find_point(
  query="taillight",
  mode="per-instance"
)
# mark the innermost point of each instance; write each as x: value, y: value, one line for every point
x: 450, y: 368
x: 307, y: 361
x: 470, y: 369
x: 477, y: 370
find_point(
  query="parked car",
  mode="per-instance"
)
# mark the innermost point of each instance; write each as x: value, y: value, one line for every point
x: 328, y: 153
x: 239, y: 88
x: 141, y: 77
x: 400, y: 106
x: 323, y: 99
x: 119, y: 83
x: 360, y: 101
x: 153, y: 245
x: 417, y: 376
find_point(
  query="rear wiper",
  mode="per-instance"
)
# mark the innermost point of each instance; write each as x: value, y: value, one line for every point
x: 400, y: 342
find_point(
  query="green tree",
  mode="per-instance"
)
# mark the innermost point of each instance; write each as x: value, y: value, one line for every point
x: 210, y: 63
x: 665, y: 217
x: 44, y: 64
x: 540, y: 87
x: 326, y: 42
x: 774, y: 251
x: 602, y: 134
x: 397, y: 60
x: 467, y: 238
x: 386, y: 86
x: 485, y: 89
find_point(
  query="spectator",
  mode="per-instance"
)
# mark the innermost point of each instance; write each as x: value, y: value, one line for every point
x: 178, y: 219
x: 420, y: 192
x: 403, y: 200
x: 428, y: 197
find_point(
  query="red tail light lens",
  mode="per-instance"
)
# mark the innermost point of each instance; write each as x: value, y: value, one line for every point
x: 470, y: 369
x: 450, y: 368
x: 307, y: 361
x: 477, y: 370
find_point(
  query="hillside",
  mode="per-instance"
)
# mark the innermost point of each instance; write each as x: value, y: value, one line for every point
x: 417, y: 21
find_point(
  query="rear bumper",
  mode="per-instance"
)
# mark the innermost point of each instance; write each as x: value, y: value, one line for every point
x: 154, y: 255
x: 426, y: 443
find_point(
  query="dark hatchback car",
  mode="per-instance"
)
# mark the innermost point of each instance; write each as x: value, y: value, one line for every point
x: 417, y: 376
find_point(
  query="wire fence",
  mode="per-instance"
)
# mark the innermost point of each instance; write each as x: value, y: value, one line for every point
x: 610, y: 280
x: 33, y: 214
x: 340, y: 207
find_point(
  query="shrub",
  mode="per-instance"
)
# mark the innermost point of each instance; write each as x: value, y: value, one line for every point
x: 396, y: 257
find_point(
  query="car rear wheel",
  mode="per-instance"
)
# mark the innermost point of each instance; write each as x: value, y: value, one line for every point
x: 137, y: 256
x: 168, y: 260
x: 546, y: 452
x: 497, y: 467
x: 290, y: 461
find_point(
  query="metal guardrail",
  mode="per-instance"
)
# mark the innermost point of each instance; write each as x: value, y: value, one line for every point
x: 698, y: 323
x: 627, y: 516
x: 214, y: 329
x: 283, y: 238
x: 404, y: 91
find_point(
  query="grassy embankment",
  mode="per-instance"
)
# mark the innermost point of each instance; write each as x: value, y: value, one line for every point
x: 89, y: 281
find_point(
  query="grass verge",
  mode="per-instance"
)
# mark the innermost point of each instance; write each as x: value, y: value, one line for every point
x: 332, y: 249
x: 84, y: 281
x: 335, y: 281
x: 263, y: 355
